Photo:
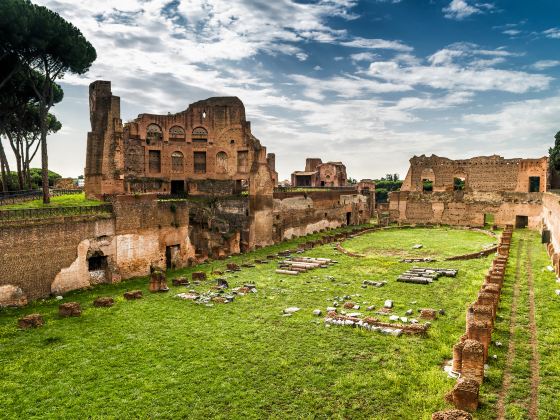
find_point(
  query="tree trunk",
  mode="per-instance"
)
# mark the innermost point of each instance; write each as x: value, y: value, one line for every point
x: 44, y: 154
x: 45, y: 164
x: 5, y: 169
x: 15, y: 144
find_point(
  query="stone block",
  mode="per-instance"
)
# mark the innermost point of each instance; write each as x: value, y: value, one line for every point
x: 133, y: 294
x: 12, y: 296
x: 198, y: 275
x: 464, y: 395
x: 451, y: 415
x: 31, y: 321
x: 69, y: 309
x: 103, y: 302
x: 428, y: 314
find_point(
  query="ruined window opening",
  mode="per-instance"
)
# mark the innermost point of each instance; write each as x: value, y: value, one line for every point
x: 232, y: 142
x: 199, y: 159
x: 97, y: 262
x: 171, y: 252
x: 177, y: 133
x: 177, y: 162
x: 221, y: 162
x: 488, y: 219
x: 153, y: 132
x: 427, y: 185
x: 458, y: 184
x: 534, y: 183
x: 154, y: 160
x: 243, y: 161
x: 521, y: 221
x: 348, y: 217
x: 178, y: 187
x: 203, y: 114
x: 200, y: 135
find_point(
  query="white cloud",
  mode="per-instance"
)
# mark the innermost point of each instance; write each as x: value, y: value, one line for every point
x: 461, y: 9
x: 553, y: 33
x: 364, y: 56
x: 546, y: 64
x: 377, y: 44
x: 162, y: 55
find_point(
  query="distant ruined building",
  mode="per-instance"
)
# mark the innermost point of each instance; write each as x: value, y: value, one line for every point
x: 319, y: 174
x: 472, y: 191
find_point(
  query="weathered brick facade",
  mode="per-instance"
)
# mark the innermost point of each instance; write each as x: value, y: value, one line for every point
x: 173, y: 153
x: 466, y: 192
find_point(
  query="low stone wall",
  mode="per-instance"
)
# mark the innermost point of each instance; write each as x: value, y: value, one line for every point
x: 55, y: 255
x: 471, y: 352
x: 459, y: 208
x: 301, y: 213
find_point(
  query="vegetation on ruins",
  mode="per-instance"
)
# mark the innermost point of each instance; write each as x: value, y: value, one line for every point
x: 554, y: 153
x: 385, y: 185
x: 37, y: 47
x: 58, y: 201
x: 246, y: 359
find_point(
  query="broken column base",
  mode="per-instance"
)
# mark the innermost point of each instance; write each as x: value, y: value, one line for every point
x: 464, y: 395
x: 451, y: 415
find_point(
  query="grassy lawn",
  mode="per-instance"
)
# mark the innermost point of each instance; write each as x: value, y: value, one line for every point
x: 167, y: 358
x: 445, y: 242
x: 58, y: 201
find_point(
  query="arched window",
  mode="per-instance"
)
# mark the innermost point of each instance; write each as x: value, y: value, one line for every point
x: 153, y: 133
x: 177, y: 162
x: 200, y: 135
x: 176, y: 133
x: 221, y: 162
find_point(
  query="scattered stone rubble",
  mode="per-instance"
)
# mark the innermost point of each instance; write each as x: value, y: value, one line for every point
x: 374, y: 324
x: 367, y: 283
x: 417, y: 260
x: 218, y: 293
x: 471, y: 352
x: 425, y: 275
x: 295, y: 265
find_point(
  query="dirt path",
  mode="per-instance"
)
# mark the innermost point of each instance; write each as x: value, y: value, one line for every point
x: 535, y: 376
x: 506, y: 383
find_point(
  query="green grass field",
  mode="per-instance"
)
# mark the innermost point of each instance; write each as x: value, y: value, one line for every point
x: 161, y: 357
x: 65, y: 200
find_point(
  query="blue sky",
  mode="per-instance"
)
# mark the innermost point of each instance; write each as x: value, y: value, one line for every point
x: 370, y: 83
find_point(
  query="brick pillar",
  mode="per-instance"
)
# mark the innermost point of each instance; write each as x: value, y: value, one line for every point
x: 483, y: 313
x: 464, y: 395
x: 481, y: 332
x: 473, y: 361
x: 458, y: 356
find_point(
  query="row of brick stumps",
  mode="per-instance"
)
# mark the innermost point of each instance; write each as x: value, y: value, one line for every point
x: 471, y: 352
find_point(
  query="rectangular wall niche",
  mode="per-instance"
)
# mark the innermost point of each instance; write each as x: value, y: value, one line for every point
x: 154, y: 161
x: 199, y: 159
x: 534, y: 183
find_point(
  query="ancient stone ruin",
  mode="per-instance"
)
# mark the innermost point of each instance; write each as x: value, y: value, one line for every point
x: 471, y: 192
